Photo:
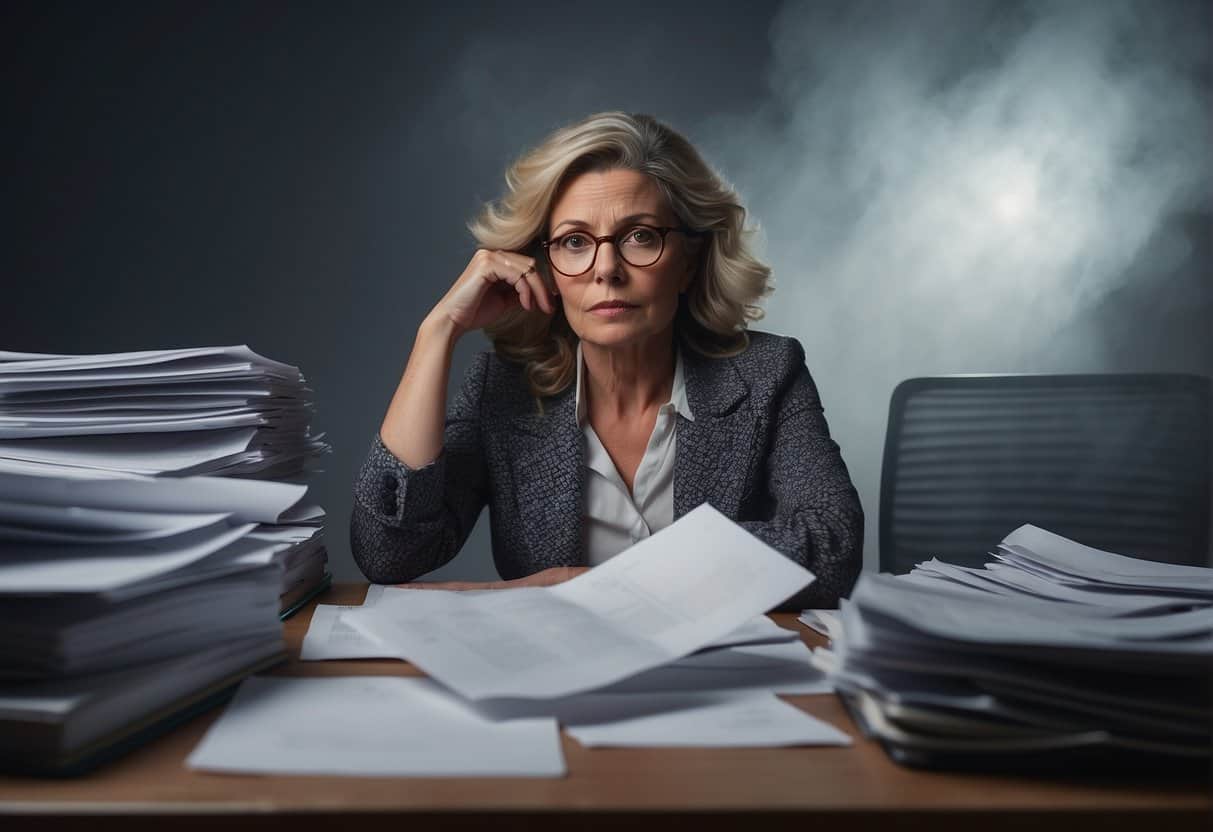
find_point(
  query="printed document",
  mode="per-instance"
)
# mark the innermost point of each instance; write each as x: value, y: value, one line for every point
x: 666, y: 597
x: 329, y: 637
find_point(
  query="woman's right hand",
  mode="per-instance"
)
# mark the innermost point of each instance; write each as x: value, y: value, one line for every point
x: 494, y: 282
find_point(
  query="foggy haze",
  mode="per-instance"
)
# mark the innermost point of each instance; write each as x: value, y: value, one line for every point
x: 956, y: 189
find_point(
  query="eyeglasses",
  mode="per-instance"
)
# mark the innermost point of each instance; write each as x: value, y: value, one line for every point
x: 573, y: 254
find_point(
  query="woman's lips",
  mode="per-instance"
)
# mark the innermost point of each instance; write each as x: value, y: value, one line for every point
x: 613, y: 311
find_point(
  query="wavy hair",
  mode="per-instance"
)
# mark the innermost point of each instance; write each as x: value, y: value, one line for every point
x: 728, y: 283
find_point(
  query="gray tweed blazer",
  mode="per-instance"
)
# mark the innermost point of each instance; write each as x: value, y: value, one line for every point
x: 758, y: 450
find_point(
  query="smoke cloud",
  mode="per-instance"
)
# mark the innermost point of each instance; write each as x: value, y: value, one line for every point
x: 967, y: 187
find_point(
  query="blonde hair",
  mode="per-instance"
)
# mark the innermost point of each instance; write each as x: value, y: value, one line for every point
x: 728, y: 283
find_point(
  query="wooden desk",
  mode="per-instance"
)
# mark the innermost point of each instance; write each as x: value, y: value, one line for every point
x: 789, y: 788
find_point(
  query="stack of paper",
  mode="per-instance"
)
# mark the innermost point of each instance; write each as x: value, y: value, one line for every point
x: 131, y: 590
x: 218, y: 411
x: 208, y: 410
x: 663, y: 645
x: 113, y: 618
x: 1053, y: 653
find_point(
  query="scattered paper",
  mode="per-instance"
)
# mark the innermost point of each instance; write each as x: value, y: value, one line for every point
x: 329, y: 637
x: 705, y: 720
x: 762, y: 668
x: 371, y: 726
x: 665, y: 597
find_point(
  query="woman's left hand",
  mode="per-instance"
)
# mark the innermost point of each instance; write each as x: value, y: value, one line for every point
x: 548, y: 577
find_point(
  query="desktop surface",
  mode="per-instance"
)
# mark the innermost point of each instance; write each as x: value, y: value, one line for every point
x: 771, y: 787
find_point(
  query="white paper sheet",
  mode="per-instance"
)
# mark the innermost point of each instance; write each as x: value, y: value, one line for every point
x: 329, y: 637
x: 249, y: 501
x: 296, y: 534
x: 667, y: 596
x: 190, y: 356
x: 824, y: 622
x: 1009, y: 581
x: 10, y: 430
x: 705, y: 720
x: 37, y: 523
x: 106, y: 568
x: 131, y: 451
x: 761, y: 668
x: 375, y: 726
x: 105, y: 419
x: 133, y: 405
x: 961, y: 615
x: 757, y: 630
x: 181, y: 391
x: 781, y: 667
x: 1071, y: 556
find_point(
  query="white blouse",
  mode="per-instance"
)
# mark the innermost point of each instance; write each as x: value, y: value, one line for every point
x: 613, y: 519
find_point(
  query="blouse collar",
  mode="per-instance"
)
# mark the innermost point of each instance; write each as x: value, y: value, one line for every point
x: 678, y: 391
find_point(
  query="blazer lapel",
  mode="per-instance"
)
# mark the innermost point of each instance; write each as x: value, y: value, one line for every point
x: 717, y: 441
x: 548, y: 471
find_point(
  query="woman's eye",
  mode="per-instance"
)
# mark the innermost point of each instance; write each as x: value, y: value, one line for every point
x: 573, y: 241
x: 643, y: 236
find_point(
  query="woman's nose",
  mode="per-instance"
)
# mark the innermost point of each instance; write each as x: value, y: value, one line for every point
x: 608, y: 267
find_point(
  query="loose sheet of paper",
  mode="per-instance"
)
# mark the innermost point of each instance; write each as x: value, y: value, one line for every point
x: 133, y: 452
x: 705, y: 720
x: 371, y: 726
x: 667, y: 596
x: 104, y: 568
x: 72, y: 524
x: 249, y: 501
x: 329, y: 637
x: 774, y: 668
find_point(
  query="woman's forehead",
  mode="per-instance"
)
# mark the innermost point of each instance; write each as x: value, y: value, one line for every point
x: 604, y: 195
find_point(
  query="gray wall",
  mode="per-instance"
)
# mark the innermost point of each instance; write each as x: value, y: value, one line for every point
x: 940, y: 187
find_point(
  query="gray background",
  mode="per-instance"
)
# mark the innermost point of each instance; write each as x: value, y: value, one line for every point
x: 940, y: 187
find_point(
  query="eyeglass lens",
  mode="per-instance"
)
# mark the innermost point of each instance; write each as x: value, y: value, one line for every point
x: 574, y: 253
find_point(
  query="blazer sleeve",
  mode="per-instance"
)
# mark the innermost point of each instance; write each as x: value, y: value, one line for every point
x: 817, y: 519
x: 406, y: 521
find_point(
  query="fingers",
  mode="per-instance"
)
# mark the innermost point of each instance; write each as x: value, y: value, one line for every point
x: 455, y: 585
x: 547, y: 577
x: 524, y: 290
x: 554, y: 575
x: 521, y: 273
x: 538, y: 290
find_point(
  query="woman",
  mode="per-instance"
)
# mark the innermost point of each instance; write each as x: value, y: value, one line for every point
x: 623, y: 390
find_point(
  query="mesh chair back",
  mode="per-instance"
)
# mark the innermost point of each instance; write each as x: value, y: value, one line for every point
x: 1120, y: 462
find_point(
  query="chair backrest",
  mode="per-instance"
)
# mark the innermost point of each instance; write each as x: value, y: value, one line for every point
x: 1120, y: 462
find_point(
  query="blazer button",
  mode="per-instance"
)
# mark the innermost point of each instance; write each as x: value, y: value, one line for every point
x: 388, y: 503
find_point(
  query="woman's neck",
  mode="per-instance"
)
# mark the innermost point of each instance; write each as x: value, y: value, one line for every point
x: 622, y: 382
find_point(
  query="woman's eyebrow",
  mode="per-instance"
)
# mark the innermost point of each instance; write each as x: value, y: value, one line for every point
x: 628, y: 218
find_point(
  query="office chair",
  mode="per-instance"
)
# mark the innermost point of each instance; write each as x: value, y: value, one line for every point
x: 1120, y: 462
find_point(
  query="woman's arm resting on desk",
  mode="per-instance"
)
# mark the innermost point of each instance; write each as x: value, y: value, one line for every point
x: 817, y: 519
